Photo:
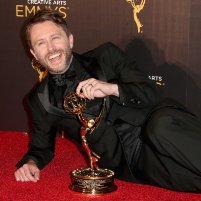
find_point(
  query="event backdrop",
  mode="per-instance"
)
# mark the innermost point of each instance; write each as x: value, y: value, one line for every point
x: 162, y: 36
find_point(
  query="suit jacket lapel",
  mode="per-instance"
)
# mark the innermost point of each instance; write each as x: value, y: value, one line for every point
x: 92, y: 66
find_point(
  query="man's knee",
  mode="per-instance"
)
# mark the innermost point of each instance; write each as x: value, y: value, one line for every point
x: 157, y: 125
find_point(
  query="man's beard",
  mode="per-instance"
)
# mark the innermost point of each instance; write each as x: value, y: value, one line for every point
x: 63, y: 68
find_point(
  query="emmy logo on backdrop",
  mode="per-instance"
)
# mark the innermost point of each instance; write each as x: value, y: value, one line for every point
x: 136, y: 10
x: 91, y: 180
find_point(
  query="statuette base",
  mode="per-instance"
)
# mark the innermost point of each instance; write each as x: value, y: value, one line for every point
x: 92, y: 181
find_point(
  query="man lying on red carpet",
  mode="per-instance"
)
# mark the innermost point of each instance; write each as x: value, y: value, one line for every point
x: 142, y: 137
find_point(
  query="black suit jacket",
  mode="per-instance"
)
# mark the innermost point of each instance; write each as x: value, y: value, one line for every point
x: 137, y: 97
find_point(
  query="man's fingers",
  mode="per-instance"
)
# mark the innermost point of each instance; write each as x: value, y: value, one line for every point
x: 28, y: 172
x: 18, y: 176
x: 84, y: 85
x: 84, y: 89
x: 34, y: 171
x: 87, y: 91
x: 30, y: 176
x: 37, y: 175
x: 81, y: 86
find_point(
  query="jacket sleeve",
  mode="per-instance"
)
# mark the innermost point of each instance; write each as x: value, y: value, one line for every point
x: 135, y: 88
x: 137, y: 93
x: 42, y: 143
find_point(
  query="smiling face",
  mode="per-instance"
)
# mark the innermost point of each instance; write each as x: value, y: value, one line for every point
x: 51, y: 46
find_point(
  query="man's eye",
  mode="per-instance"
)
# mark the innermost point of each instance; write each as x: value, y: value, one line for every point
x: 56, y: 37
x: 40, y: 43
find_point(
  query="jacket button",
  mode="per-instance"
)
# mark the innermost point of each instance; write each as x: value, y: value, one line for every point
x: 132, y: 100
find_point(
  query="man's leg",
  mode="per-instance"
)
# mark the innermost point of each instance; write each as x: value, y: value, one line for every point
x: 171, y: 151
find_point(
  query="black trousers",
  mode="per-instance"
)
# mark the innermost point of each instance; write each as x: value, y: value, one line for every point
x: 171, y: 152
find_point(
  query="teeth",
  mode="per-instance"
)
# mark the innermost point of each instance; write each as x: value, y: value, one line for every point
x: 54, y: 56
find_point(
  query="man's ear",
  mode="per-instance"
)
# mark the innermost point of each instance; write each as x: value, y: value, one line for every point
x: 70, y: 38
x: 32, y: 52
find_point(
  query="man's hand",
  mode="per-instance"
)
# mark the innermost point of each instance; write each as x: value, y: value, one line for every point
x: 93, y: 88
x: 28, y: 172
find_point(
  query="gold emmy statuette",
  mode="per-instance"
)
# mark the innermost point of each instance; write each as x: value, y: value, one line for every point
x: 91, y: 180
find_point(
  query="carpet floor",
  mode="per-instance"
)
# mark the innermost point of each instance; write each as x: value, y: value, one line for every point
x: 55, y: 180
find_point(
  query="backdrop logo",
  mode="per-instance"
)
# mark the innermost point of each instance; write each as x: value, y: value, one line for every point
x: 158, y: 79
x: 30, y: 7
x: 137, y: 8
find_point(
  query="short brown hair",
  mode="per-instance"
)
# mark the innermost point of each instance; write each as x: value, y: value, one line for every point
x: 42, y: 16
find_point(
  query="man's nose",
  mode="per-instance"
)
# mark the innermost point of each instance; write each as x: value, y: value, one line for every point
x: 50, y: 46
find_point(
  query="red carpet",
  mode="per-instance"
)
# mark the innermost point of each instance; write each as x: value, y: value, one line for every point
x: 54, y: 182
